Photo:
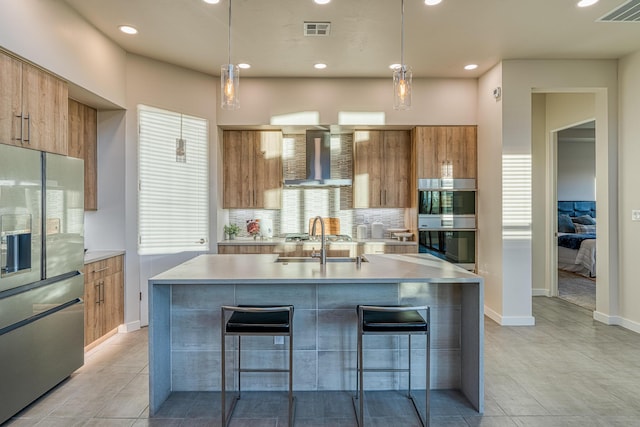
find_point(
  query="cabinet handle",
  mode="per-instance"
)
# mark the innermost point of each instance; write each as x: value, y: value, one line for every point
x: 97, y: 285
x: 102, y: 297
x: 101, y: 269
x: 28, y: 139
x: 19, y: 116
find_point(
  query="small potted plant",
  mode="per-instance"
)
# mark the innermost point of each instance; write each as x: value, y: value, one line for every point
x: 231, y: 230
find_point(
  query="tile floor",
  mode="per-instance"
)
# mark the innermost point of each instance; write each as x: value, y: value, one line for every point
x: 568, y: 370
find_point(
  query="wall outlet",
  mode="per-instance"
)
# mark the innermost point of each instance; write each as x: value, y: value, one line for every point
x: 278, y: 340
x: 635, y: 215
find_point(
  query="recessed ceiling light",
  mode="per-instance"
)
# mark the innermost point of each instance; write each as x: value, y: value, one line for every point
x: 321, y: 1
x: 244, y: 66
x: 127, y: 29
x: 587, y: 3
x: 395, y: 66
x: 471, y: 66
x: 432, y: 2
x: 211, y: 1
x: 320, y: 66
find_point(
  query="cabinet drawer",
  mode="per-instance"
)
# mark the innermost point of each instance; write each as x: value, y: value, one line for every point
x: 100, y: 269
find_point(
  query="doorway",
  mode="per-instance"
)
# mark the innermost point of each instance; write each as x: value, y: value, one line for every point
x: 576, y: 223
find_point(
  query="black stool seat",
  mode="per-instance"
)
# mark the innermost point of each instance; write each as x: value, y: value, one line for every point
x: 259, y: 322
x: 393, y: 321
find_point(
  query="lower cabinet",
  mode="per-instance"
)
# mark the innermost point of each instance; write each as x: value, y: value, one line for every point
x: 103, y: 297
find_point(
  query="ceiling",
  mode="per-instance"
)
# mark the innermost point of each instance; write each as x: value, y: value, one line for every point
x: 365, y: 34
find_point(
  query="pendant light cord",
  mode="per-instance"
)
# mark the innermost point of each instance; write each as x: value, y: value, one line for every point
x: 230, y: 32
x: 401, y: 36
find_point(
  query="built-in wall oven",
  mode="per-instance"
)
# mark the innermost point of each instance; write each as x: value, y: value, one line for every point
x: 447, y: 219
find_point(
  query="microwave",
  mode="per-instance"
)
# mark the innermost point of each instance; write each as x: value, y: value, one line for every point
x: 455, y: 246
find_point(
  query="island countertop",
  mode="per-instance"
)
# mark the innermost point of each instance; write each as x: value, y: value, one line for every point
x: 255, y: 269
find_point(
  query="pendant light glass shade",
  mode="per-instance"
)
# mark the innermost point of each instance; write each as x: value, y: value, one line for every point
x: 230, y: 86
x: 229, y: 80
x: 402, y: 88
x: 402, y: 75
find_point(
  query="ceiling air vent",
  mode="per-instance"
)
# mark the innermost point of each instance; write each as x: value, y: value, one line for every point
x: 317, y: 28
x: 627, y: 12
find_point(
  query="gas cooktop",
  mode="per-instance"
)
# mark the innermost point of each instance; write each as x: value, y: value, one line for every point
x: 302, y: 237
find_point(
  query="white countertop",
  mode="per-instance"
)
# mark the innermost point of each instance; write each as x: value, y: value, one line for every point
x: 262, y: 269
x: 93, y: 256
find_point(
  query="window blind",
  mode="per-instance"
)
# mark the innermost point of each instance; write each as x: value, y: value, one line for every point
x: 173, y: 194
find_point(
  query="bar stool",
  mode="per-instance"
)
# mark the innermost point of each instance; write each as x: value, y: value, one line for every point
x: 392, y: 320
x: 255, y: 321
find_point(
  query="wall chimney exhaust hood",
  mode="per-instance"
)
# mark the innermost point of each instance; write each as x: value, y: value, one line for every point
x: 318, y: 163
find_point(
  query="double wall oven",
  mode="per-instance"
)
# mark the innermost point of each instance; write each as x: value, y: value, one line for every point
x: 447, y: 219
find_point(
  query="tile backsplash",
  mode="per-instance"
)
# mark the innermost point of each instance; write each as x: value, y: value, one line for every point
x: 300, y: 204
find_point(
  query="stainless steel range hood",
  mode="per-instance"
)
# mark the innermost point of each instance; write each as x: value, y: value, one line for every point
x: 318, y: 163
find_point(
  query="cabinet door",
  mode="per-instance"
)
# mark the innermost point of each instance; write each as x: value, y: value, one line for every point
x: 83, y: 138
x: 10, y: 99
x: 431, y: 151
x: 268, y: 170
x: 367, y: 169
x: 462, y: 151
x: 93, y: 313
x: 113, y: 301
x: 396, y: 167
x: 239, y: 156
x: 45, y: 103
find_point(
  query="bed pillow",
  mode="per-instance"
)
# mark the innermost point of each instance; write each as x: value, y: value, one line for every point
x: 565, y: 225
x: 585, y: 229
x: 584, y: 220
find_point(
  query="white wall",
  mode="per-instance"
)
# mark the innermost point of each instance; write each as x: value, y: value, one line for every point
x: 166, y: 86
x: 434, y: 101
x: 53, y: 36
x: 629, y: 70
x: 576, y: 170
x: 489, y: 259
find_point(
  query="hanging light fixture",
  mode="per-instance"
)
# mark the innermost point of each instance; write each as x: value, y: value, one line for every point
x: 229, y: 79
x: 402, y: 76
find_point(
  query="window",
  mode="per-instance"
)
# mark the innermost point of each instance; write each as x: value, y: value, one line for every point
x: 173, y: 191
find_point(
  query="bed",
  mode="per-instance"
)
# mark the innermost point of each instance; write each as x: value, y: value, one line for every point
x: 577, y: 237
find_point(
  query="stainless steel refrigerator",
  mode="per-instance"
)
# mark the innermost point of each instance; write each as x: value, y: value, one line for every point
x: 41, y: 281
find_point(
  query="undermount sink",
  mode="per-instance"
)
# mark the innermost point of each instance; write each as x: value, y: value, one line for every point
x: 292, y: 259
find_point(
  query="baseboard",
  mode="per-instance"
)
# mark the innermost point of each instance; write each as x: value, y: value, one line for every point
x: 540, y: 292
x: 129, y: 327
x: 509, y: 320
x: 617, y: 320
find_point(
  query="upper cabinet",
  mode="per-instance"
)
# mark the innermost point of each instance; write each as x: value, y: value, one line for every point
x: 83, y: 138
x: 446, y: 151
x: 33, y: 107
x: 381, y: 168
x: 252, y: 169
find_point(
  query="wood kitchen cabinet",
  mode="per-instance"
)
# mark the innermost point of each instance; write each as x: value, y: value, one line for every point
x: 103, y: 298
x: 33, y: 107
x: 446, y: 151
x: 382, y: 160
x: 83, y: 144
x: 252, y: 169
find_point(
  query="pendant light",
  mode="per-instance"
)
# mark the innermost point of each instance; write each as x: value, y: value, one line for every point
x: 229, y: 79
x: 402, y: 76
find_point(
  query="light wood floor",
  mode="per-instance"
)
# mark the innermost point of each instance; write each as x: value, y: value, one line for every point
x: 568, y: 370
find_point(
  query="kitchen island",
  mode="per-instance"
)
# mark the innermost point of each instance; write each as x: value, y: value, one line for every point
x: 184, y: 326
